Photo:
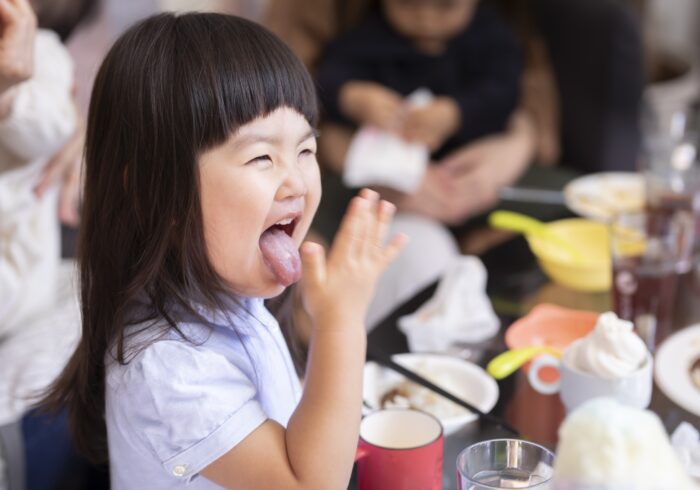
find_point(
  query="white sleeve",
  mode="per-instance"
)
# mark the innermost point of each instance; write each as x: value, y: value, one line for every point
x: 19, y: 247
x: 187, y: 405
x: 43, y: 116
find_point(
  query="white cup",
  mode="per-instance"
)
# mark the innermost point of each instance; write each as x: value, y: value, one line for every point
x: 576, y: 387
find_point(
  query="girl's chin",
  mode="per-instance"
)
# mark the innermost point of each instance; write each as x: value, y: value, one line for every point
x: 274, y: 292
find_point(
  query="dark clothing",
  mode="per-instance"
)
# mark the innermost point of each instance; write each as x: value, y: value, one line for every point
x: 600, y: 77
x: 480, y: 70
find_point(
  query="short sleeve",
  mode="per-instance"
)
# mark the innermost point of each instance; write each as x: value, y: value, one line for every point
x: 187, y: 405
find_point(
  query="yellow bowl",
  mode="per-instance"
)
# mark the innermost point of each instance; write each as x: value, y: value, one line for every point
x: 593, y: 274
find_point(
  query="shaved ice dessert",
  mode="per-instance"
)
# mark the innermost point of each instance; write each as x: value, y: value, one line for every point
x: 604, y: 445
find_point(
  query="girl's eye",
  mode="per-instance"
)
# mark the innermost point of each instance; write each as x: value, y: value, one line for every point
x: 261, y: 160
x: 307, y: 152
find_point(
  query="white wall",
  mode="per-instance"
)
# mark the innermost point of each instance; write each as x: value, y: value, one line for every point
x: 674, y: 25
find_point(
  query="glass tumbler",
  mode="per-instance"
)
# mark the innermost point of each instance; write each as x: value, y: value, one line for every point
x: 504, y: 463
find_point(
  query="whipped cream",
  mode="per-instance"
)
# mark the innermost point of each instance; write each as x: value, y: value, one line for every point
x: 611, y: 350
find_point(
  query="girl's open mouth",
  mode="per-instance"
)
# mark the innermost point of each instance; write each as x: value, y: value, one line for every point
x: 280, y: 251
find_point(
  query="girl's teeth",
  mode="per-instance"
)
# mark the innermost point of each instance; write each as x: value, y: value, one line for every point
x: 284, y: 222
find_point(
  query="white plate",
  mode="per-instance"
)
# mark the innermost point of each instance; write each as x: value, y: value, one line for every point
x: 600, y: 196
x: 462, y: 378
x: 672, y: 373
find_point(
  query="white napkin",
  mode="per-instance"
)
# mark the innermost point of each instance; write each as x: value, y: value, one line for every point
x: 686, y: 441
x: 378, y: 157
x: 459, y: 312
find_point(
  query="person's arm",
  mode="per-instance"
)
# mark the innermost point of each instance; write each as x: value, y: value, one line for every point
x: 43, y: 116
x: 317, y: 449
x: 540, y: 101
x: 18, y: 27
x: 467, y: 181
x: 65, y: 166
x: 18, y: 24
x: 474, y: 174
x: 369, y: 103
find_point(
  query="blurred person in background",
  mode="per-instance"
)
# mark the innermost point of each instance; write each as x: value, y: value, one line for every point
x: 579, y: 100
x: 40, y: 147
x: 486, y: 164
x: 63, y: 17
x: 457, y: 49
x: 580, y: 95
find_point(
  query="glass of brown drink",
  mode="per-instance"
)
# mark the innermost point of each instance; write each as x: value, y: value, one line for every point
x: 647, y: 251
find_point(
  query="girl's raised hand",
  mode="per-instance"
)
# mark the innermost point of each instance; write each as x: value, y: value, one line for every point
x: 337, y: 289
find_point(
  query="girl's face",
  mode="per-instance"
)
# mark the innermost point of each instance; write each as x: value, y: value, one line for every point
x: 259, y: 191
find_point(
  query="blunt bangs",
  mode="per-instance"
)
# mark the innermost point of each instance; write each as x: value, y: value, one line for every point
x: 231, y: 71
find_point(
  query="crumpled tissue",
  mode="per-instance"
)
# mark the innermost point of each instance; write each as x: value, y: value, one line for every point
x: 458, y: 312
x: 378, y: 157
x: 686, y: 441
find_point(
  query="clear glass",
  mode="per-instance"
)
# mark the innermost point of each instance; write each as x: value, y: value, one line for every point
x: 647, y: 252
x: 671, y: 166
x: 504, y: 463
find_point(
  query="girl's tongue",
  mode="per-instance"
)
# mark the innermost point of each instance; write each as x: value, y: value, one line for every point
x: 281, y: 255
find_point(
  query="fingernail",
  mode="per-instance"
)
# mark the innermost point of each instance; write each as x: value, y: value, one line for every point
x: 369, y: 194
x: 388, y: 207
x: 361, y: 202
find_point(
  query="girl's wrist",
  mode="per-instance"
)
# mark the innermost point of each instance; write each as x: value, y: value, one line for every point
x: 337, y: 320
x: 351, y: 336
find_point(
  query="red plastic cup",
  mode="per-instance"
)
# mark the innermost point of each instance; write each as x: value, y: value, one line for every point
x: 400, y: 449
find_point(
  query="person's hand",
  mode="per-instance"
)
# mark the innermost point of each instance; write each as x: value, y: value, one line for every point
x: 371, y: 103
x: 432, y: 124
x: 17, y: 31
x: 476, y: 172
x: 65, y: 168
x: 433, y: 198
x: 337, y: 290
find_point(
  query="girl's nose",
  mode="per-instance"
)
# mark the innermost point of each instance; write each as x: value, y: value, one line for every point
x: 294, y: 184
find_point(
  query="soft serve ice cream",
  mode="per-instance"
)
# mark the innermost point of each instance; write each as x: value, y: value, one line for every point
x: 611, y: 350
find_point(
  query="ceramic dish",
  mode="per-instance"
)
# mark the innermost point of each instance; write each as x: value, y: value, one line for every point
x: 601, y: 196
x: 383, y: 387
x: 674, y: 361
x: 550, y: 325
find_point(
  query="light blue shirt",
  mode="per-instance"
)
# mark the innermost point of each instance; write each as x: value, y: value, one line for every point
x: 179, y: 405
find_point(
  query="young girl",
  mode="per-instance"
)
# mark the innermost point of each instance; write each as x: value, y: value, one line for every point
x: 201, y: 183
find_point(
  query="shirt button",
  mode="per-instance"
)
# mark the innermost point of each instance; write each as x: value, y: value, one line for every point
x: 179, y: 470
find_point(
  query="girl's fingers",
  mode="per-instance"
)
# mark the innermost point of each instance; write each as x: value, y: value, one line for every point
x: 385, y: 213
x: 367, y: 240
x: 369, y: 194
x: 348, y: 240
x: 22, y: 5
x: 313, y: 264
x: 394, y: 247
x: 8, y: 13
